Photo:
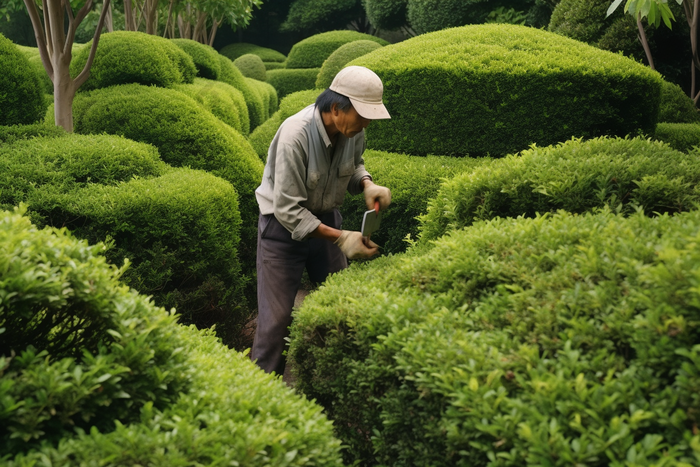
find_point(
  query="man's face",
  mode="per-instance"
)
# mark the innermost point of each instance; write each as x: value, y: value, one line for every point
x: 349, y: 123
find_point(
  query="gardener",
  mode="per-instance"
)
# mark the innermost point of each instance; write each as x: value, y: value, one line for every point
x: 314, y: 158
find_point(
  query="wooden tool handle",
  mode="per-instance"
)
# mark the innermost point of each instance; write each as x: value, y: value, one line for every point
x: 376, y: 207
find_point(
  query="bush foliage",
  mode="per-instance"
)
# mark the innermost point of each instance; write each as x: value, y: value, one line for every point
x: 268, y: 95
x: 205, y: 58
x: 576, y: 176
x: 21, y: 91
x: 680, y: 136
x: 133, y: 387
x: 251, y: 66
x: 338, y: 59
x: 505, y: 87
x: 10, y: 134
x: 233, y: 76
x: 386, y: 14
x: 288, y: 81
x: 223, y: 100
x: 233, y: 51
x: 559, y: 340
x: 313, y: 51
x: 676, y: 106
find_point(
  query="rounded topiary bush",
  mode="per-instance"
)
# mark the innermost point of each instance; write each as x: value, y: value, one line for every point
x: 313, y: 51
x: 21, y: 92
x: 514, y: 339
x: 93, y: 370
x: 287, y: 81
x: 251, y: 66
x: 576, y: 176
x: 223, y: 100
x: 338, y: 59
x: 676, y: 106
x: 205, y: 58
x: 499, y: 88
x: 427, y: 16
x: 32, y: 54
x: 268, y: 95
x: 133, y: 57
x: 233, y: 76
x: 10, y: 134
x: 386, y: 14
x: 680, y: 136
x: 233, y: 51
x: 274, y: 65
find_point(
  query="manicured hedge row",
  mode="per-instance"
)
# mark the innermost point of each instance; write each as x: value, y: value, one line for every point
x: 233, y: 76
x: 10, y: 134
x: 133, y: 57
x: 251, y: 66
x: 413, y: 181
x: 576, y: 176
x: 274, y: 65
x: 233, y: 51
x: 126, y: 385
x: 676, y: 106
x: 560, y: 340
x: 268, y: 95
x: 680, y: 136
x: 338, y: 59
x: 223, y: 100
x: 313, y: 51
x: 287, y: 81
x: 205, y: 58
x: 21, y: 91
x: 498, y: 88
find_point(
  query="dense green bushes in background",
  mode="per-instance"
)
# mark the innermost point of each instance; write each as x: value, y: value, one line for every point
x: 10, y: 134
x: 268, y: 95
x: 626, y: 174
x: 313, y: 51
x: 338, y: 59
x: 32, y: 54
x: 565, y: 339
x: 287, y: 81
x: 94, y: 372
x: 233, y: 76
x: 251, y: 66
x: 680, y: 136
x: 223, y: 100
x: 233, y: 51
x: 205, y: 58
x: 506, y: 87
x: 676, y: 106
x: 21, y: 91
x: 386, y: 14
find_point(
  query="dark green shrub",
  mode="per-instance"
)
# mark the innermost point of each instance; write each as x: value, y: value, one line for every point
x: 233, y: 76
x: 233, y: 51
x: 10, y: 134
x: 626, y: 174
x: 338, y: 59
x: 205, y: 58
x: 21, y: 91
x: 223, y: 100
x: 498, y: 88
x: 251, y: 66
x: 585, y: 21
x: 386, y: 14
x: 134, y: 388
x: 313, y: 51
x: 287, y: 81
x: 274, y: 65
x: 267, y: 93
x: 680, y: 136
x: 676, y: 106
x: 133, y: 57
x: 428, y: 16
x: 32, y: 54
x: 560, y: 340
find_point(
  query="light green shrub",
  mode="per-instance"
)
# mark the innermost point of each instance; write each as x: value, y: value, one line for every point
x: 233, y: 76
x: 287, y: 81
x: 268, y: 95
x: 676, y: 106
x: 133, y: 57
x: 126, y: 385
x: 223, y: 100
x: 498, y: 88
x: 10, y: 134
x: 313, y: 51
x: 251, y: 66
x: 21, y: 92
x: 205, y: 58
x: 274, y: 65
x: 564, y: 339
x: 233, y: 51
x: 576, y: 176
x: 338, y: 59
x: 680, y: 136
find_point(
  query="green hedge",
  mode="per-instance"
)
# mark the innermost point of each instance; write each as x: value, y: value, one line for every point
x: 10, y: 134
x: 338, y: 59
x: 125, y: 384
x: 576, y: 176
x: 680, y: 136
x: 560, y: 340
x: 32, y: 54
x: 205, y: 58
x: 676, y: 106
x: 251, y: 66
x: 233, y: 51
x: 313, y: 51
x: 386, y: 14
x: 498, y: 88
x: 21, y: 91
x: 133, y: 57
x: 288, y: 81
x: 426, y: 16
x: 274, y: 65
x: 413, y: 181
x: 233, y: 76
x: 267, y: 93
x: 223, y: 100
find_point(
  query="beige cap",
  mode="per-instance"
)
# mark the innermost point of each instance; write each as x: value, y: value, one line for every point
x: 364, y: 89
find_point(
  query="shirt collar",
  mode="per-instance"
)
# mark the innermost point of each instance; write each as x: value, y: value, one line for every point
x: 321, y: 127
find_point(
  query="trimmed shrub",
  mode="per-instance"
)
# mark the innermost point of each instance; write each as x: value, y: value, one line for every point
x: 223, y: 100
x: 10, y: 134
x: 267, y: 93
x: 427, y: 16
x: 413, y: 181
x: 626, y: 174
x: 233, y: 76
x: 21, y: 91
x: 313, y: 51
x: 338, y: 59
x: 125, y: 382
x: 287, y: 81
x: 503, y: 87
x: 585, y: 21
x: 680, y: 136
x: 676, y: 106
x: 386, y: 14
x: 133, y: 57
x: 32, y: 54
x: 205, y: 58
x: 233, y: 51
x: 564, y: 339
x: 251, y: 66
x: 274, y: 65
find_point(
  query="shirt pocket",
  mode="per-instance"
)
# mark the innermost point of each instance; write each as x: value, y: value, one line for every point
x: 315, y: 184
x: 345, y: 171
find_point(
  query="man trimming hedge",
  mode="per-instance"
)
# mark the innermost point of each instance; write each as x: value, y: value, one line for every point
x: 314, y: 158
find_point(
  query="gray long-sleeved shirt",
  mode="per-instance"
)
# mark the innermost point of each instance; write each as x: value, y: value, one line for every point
x: 305, y: 175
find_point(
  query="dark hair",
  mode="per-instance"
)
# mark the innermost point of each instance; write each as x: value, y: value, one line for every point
x: 325, y: 101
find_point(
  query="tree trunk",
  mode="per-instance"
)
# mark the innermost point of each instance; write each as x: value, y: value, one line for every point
x: 645, y: 43
x: 109, y: 19
x: 63, y: 94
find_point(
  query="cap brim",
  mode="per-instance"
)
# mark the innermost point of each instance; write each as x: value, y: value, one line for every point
x: 370, y: 111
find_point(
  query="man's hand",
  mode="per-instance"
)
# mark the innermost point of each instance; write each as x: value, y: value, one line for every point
x: 353, y: 245
x: 376, y: 193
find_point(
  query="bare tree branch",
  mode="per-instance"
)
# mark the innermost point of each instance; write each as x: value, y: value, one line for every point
x: 40, y: 38
x: 85, y: 73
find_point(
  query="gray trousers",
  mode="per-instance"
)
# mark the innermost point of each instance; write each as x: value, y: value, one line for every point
x: 280, y: 264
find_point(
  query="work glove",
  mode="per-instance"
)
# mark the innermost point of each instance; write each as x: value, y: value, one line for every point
x: 355, y: 246
x: 376, y: 193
